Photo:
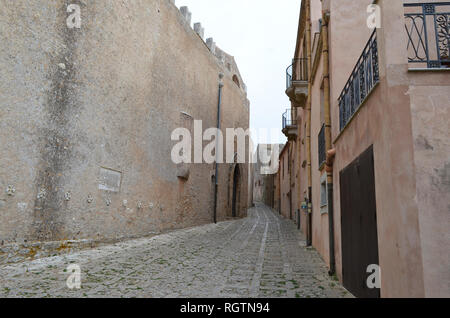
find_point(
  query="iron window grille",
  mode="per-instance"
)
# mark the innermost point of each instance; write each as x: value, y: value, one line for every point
x: 288, y: 118
x: 428, y: 28
x: 362, y: 80
x: 297, y: 71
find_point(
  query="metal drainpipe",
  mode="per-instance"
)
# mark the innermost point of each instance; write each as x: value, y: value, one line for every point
x: 308, y: 122
x: 328, y: 145
x: 216, y: 179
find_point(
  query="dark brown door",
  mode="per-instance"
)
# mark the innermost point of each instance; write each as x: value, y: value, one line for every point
x: 359, y: 224
x: 235, y: 191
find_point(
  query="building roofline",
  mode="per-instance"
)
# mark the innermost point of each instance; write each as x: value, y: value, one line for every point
x: 301, y: 28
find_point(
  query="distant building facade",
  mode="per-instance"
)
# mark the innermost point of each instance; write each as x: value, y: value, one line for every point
x: 263, y: 179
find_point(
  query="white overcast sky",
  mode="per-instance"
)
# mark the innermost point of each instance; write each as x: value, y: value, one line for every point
x: 261, y: 35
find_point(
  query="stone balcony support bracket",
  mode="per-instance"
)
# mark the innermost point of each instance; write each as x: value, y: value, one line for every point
x: 298, y: 93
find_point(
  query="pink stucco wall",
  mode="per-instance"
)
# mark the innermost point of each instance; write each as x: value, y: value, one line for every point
x: 405, y: 118
x: 430, y: 108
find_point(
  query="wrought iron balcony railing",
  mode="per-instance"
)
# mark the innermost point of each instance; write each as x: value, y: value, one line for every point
x: 289, y: 118
x: 322, y: 152
x: 363, y: 79
x: 428, y: 29
x: 297, y: 71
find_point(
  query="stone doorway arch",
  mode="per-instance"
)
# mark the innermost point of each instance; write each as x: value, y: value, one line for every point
x: 236, y: 192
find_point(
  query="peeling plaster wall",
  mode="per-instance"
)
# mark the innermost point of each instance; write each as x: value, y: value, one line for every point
x: 79, y: 105
x: 430, y: 108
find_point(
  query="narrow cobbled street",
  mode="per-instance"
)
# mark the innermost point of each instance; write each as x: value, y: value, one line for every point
x: 259, y: 256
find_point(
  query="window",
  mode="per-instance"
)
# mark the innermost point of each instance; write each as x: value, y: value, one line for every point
x: 323, y: 194
x: 236, y: 80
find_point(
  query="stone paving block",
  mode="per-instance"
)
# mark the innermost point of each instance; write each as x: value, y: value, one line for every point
x: 260, y: 256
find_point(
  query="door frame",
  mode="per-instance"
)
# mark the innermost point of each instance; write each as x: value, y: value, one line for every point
x: 236, y: 191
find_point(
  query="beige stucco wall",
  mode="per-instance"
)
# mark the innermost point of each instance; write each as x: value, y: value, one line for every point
x: 128, y: 73
x: 301, y: 161
x: 320, y: 220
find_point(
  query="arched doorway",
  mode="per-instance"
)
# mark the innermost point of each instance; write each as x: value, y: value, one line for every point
x: 236, y: 191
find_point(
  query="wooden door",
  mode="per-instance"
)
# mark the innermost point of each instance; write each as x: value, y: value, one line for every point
x: 359, y: 224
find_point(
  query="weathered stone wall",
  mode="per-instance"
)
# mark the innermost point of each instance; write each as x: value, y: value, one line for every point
x: 264, y: 182
x: 86, y: 117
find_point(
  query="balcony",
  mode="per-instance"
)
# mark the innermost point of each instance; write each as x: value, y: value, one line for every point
x: 321, y: 143
x: 297, y: 82
x: 290, y: 124
x: 362, y: 81
x: 428, y: 29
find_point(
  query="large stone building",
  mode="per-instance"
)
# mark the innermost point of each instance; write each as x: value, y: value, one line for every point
x: 369, y: 142
x: 264, y: 173
x: 87, y: 109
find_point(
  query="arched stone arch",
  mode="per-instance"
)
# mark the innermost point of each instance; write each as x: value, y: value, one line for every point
x: 234, y: 189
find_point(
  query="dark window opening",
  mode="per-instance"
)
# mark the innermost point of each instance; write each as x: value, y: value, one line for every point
x: 236, y: 80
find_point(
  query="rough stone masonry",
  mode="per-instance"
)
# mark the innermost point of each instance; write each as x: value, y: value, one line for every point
x: 86, y: 116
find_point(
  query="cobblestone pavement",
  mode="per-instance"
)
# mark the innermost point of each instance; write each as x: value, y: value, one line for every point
x: 260, y: 256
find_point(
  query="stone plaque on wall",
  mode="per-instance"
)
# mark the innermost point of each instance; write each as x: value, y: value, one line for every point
x: 110, y: 180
